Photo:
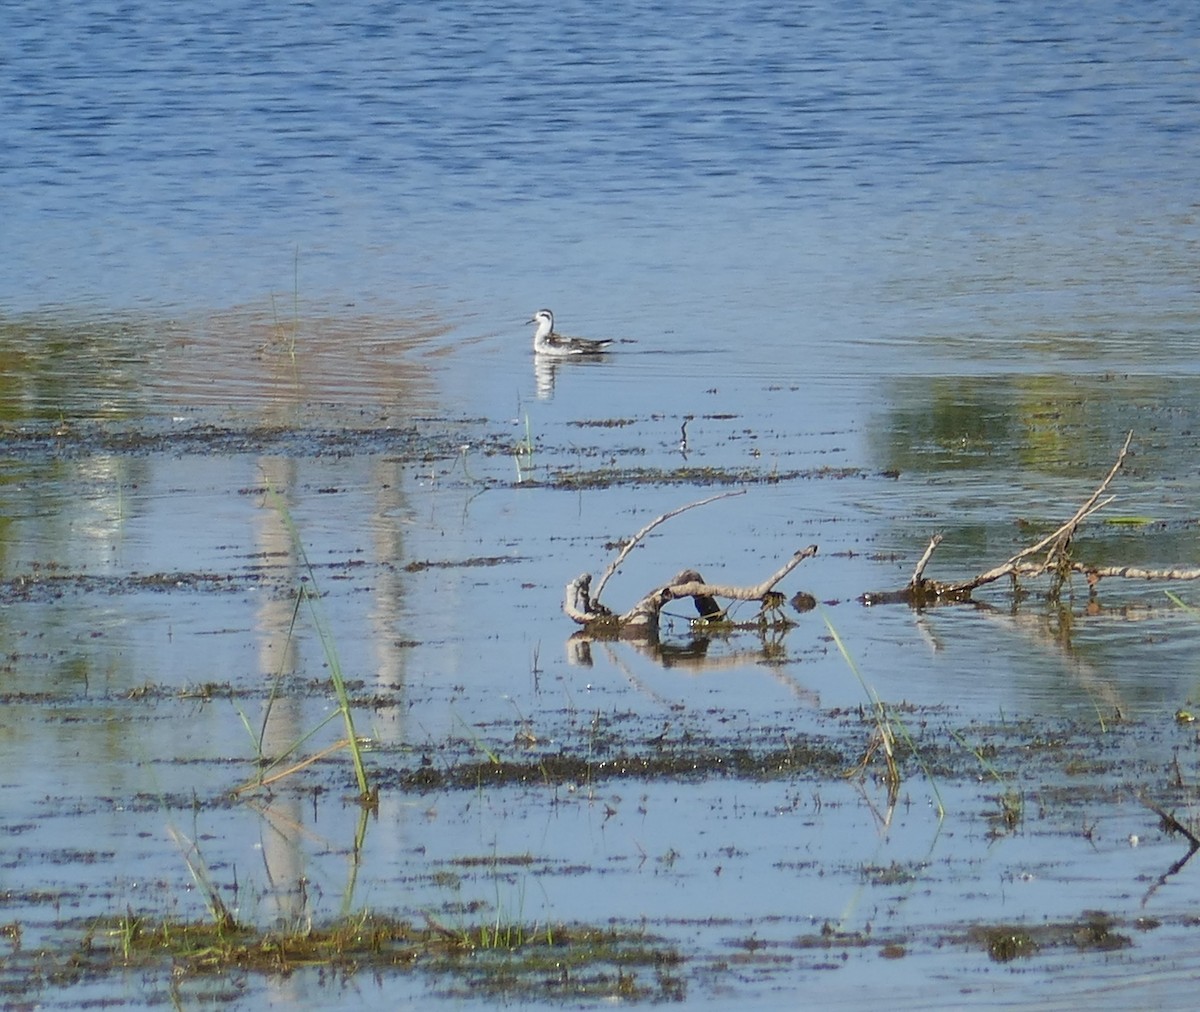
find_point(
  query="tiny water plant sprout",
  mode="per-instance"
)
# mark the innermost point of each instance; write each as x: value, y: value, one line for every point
x: 287, y: 333
x: 888, y: 727
x: 1010, y: 802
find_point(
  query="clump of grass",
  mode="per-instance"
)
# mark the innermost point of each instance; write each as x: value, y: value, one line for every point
x: 503, y: 933
x: 884, y: 738
x: 522, y: 960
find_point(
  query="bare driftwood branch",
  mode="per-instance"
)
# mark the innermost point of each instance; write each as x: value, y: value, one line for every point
x: 1057, y: 543
x: 1095, y: 574
x: 696, y: 587
x: 1057, y: 559
x: 1171, y: 825
x: 1013, y: 567
x: 578, y: 602
x: 642, y: 618
x: 641, y: 621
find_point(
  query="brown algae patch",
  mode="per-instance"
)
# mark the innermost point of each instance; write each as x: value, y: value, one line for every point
x: 603, y: 423
x: 1092, y: 931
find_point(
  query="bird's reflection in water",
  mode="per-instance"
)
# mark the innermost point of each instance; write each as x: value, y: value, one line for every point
x: 545, y: 371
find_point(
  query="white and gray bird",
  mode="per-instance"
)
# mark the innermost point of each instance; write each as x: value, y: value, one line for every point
x: 547, y: 342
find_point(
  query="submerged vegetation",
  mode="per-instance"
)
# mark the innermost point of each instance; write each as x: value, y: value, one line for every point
x: 550, y: 963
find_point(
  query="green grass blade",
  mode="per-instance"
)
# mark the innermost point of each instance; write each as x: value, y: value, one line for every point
x: 311, y: 595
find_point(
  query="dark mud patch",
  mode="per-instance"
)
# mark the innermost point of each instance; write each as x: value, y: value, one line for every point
x: 699, y: 477
x: 82, y: 439
x: 573, y: 770
x: 603, y: 423
x: 44, y: 583
x: 418, y: 440
x: 418, y: 566
x: 1031, y: 777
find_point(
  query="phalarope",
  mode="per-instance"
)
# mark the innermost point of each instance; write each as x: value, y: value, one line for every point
x: 546, y: 342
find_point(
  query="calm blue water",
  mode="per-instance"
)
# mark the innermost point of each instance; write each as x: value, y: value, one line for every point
x: 752, y: 175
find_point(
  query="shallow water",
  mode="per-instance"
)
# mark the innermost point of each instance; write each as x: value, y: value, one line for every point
x: 888, y: 272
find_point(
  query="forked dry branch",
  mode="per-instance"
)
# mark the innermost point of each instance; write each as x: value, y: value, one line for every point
x: 642, y: 620
x: 1056, y: 560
